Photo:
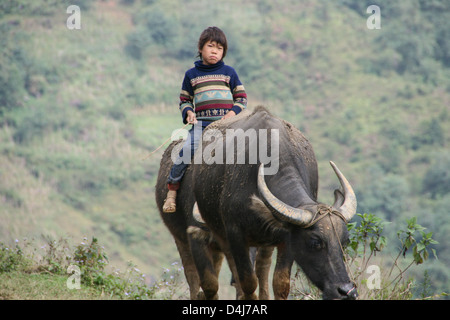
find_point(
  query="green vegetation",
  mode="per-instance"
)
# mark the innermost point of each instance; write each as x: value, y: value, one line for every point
x: 389, y: 282
x: 59, y: 271
x: 81, y: 109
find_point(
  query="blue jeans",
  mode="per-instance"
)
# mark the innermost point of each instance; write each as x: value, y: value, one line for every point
x: 189, y: 147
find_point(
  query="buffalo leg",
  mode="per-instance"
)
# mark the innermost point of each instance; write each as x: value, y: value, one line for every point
x: 282, y: 274
x: 217, y: 259
x: 234, y: 275
x: 190, y: 271
x: 262, y: 268
x: 239, y: 294
x: 244, y: 267
x: 206, y: 268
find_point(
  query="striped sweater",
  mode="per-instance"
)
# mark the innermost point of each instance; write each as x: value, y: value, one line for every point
x: 211, y: 91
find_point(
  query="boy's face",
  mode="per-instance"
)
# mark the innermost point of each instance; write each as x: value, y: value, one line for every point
x: 212, y: 52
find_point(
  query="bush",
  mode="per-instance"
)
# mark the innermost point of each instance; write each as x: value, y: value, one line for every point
x: 153, y: 27
x: 90, y: 257
x: 388, y: 282
x: 366, y: 241
x: 11, y: 258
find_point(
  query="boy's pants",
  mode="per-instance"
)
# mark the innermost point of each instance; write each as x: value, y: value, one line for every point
x: 190, y: 145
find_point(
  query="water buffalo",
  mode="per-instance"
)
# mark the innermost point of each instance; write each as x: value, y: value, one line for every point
x: 244, y: 207
x: 200, y: 254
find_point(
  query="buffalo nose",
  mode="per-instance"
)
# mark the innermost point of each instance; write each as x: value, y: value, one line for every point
x: 348, y: 291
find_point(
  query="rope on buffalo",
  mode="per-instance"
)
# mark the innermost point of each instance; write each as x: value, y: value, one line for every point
x: 322, y: 212
x: 342, y: 248
x: 174, y: 134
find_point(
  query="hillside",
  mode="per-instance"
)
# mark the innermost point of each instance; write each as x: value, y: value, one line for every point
x: 81, y: 109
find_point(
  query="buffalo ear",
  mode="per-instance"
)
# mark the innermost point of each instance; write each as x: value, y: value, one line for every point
x: 338, y: 199
x: 348, y: 206
x: 196, y: 214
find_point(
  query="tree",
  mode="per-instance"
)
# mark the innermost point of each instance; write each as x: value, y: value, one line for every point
x: 430, y: 133
x: 437, y: 178
x: 13, y: 72
x: 385, y: 196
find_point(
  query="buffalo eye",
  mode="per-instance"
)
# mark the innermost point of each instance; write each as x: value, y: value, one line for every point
x: 315, y: 244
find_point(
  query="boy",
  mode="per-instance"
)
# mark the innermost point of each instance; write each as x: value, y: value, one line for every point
x: 210, y: 91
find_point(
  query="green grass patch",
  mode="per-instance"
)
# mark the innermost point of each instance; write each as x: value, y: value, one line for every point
x: 18, y: 285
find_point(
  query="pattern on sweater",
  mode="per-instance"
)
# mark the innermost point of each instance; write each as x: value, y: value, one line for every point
x: 211, y: 91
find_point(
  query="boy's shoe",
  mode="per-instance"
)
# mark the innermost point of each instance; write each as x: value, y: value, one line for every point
x: 170, y: 205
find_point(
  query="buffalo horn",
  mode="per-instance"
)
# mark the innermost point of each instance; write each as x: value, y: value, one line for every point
x: 280, y: 209
x: 345, y: 199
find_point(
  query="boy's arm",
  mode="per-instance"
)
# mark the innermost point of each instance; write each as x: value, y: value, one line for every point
x: 186, y: 99
x: 239, y: 95
x: 186, y: 105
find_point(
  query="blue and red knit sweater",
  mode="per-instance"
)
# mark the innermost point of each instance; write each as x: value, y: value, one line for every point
x: 211, y: 91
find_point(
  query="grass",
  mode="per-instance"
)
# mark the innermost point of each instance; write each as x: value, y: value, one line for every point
x: 62, y: 270
x: 17, y: 285
x: 32, y: 271
x: 50, y: 271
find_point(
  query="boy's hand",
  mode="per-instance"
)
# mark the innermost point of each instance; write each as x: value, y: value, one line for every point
x: 191, y: 118
x: 230, y: 114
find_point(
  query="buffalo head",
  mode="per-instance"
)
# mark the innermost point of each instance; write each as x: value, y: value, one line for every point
x: 318, y: 235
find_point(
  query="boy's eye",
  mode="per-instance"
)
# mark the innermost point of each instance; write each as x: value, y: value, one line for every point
x: 211, y: 45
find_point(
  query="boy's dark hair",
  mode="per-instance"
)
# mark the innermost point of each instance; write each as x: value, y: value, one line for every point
x: 213, y: 34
